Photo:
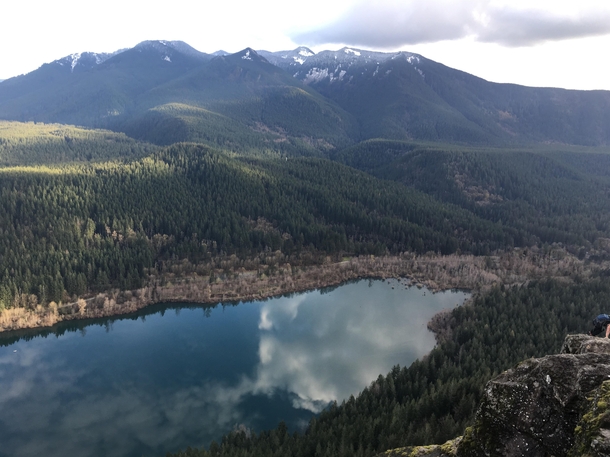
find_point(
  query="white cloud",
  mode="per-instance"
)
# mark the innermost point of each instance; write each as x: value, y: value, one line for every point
x: 530, y: 26
x: 394, y: 23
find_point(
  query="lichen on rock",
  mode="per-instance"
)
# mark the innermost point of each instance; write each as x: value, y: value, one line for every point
x: 534, y: 408
x: 592, y: 434
x: 583, y: 344
x: 449, y: 449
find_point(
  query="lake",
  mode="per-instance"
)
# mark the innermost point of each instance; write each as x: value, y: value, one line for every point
x: 176, y: 376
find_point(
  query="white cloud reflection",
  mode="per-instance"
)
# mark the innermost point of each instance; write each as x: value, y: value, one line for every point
x: 312, y: 349
x: 44, y: 412
x: 326, y: 347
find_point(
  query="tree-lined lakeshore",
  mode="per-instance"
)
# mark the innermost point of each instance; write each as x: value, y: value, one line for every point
x: 232, y: 280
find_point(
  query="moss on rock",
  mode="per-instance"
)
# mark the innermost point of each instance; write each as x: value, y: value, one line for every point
x: 592, y: 434
x: 448, y: 449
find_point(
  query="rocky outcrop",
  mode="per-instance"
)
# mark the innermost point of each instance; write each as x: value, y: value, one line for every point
x: 554, y: 406
x: 551, y: 406
x: 583, y: 344
x: 448, y: 449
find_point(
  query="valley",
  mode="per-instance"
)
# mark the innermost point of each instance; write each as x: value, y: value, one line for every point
x: 160, y: 174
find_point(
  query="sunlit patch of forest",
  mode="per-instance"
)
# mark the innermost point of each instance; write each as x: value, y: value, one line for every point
x: 38, y: 143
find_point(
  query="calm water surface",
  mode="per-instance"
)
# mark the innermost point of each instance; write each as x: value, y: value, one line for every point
x: 182, y: 376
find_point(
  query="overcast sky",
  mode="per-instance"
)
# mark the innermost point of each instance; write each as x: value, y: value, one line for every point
x: 534, y: 42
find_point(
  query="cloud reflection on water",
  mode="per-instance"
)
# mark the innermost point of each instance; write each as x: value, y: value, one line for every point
x: 324, y: 348
x: 44, y: 412
x: 311, y: 349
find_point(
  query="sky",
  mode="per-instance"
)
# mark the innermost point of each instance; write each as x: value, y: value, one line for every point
x: 531, y: 42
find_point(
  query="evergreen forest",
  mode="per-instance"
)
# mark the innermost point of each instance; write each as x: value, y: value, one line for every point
x: 130, y: 168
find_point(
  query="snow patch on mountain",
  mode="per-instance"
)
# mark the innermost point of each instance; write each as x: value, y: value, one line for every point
x: 351, y: 51
x: 84, y: 60
x: 286, y: 60
x: 168, y: 48
x: 412, y: 59
x: 167, y: 59
x: 316, y: 75
x: 75, y: 58
x: 247, y: 55
x: 319, y: 74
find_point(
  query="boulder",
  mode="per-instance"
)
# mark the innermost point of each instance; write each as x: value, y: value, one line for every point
x: 582, y: 344
x: 449, y: 449
x: 534, y: 409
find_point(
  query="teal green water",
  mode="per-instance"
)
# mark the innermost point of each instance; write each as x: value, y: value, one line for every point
x: 172, y: 377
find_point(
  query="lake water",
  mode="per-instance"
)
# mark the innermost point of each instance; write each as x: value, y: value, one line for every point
x: 172, y: 377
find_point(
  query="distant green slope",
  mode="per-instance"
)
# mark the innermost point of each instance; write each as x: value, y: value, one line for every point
x: 553, y: 194
x: 259, y: 105
x: 405, y: 96
x: 239, y: 102
x: 29, y: 144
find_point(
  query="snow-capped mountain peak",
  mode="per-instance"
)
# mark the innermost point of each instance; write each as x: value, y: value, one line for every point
x: 288, y: 59
x: 166, y: 49
x: 250, y: 54
x: 305, y: 52
x: 349, y: 65
x: 83, y: 60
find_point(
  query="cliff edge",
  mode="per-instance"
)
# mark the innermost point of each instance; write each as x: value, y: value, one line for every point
x: 553, y: 406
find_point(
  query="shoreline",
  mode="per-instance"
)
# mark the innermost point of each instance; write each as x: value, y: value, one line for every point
x: 432, y: 271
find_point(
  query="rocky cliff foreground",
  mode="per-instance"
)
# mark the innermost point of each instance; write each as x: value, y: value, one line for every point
x: 554, y: 406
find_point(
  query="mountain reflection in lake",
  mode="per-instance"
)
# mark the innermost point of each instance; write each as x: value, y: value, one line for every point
x: 183, y: 377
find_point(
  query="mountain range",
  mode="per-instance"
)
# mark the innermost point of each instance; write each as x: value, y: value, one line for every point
x: 297, y: 102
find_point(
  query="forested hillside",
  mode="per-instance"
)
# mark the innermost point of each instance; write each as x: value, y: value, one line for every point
x: 548, y: 195
x: 70, y: 229
x: 37, y: 144
x: 73, y: 229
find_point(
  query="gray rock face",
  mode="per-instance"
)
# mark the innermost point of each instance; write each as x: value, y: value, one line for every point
x: 582, y: 344
x: 534, y: 409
